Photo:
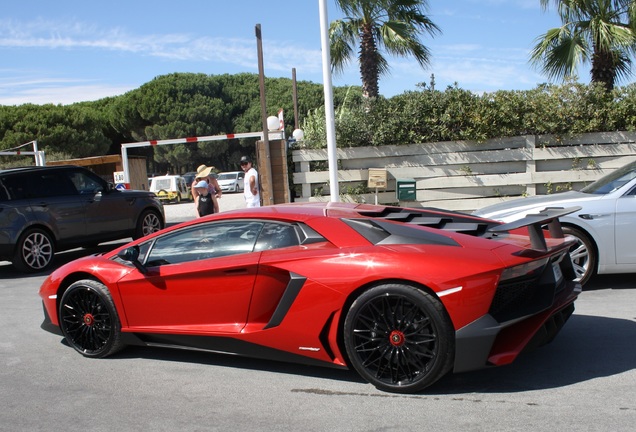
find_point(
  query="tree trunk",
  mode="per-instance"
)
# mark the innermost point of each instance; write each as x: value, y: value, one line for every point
x: 603, y: 68
x: 368, y: 63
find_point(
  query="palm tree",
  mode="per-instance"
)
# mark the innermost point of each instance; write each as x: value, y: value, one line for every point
x: 392, y: 25
x: 601, y: 32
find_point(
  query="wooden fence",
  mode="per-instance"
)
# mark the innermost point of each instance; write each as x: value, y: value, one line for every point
x: 465, y: 176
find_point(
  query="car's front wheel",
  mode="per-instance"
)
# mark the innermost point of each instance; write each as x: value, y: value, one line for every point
x: 148, y: 222
x: 399, y: 338
x: 583, y: 254
x: 34, y: 251
x: 89, y: 320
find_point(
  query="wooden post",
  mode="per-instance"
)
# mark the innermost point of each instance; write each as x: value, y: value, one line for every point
x: 275, y: 176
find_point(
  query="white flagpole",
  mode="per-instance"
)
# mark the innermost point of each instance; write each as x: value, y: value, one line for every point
x: 330, y: 117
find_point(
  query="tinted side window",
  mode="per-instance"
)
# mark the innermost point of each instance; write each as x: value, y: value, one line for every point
x: 84, y: 183
x: 204, y: 241
x: 4, y: 194
x: 50, y: 184
x: 13, y: 187
x: 276, y: 236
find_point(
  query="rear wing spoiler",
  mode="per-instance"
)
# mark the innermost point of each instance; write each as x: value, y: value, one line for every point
x: 535, y: 222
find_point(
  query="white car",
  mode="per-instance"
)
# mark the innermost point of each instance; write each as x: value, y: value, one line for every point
x: 231, y: 181
x: 605, y: 227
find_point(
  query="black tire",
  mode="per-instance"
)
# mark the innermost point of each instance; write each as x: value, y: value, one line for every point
x: 34, y: 251
x: 584, y: 255
x: 399, y: 338
x: 149, y: 221
x: 89, y: 320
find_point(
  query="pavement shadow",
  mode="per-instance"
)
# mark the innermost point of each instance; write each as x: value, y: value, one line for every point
x: 587, y: 348
x: 612, y: 281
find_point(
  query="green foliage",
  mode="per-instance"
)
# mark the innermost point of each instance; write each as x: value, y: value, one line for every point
x: 186, y: 105
x: 75, y: 129
x: 171, y: 106
x: 599, y: 32
x: 456, y: 114
x: 373, y: 28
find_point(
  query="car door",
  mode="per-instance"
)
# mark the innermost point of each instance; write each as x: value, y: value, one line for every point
x: 625, y: 228
x: 200, y: 279
x: 55, y: 203
x: 108, y: 212
x: 183, y: 189
x: 239, y: 181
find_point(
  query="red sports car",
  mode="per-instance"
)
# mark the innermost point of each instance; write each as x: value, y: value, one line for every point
x: 401, y: 295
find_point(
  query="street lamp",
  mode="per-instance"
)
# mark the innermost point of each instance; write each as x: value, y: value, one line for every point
x: 298, y: 134
x: 273, y: 124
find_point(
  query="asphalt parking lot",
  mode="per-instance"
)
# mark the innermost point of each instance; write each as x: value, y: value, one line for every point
x: 186, y: 211
x: 585, y: 380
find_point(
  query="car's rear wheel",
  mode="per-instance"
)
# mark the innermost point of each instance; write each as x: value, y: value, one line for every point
x: 399, y: 338
x: 583, y: 253
x: 89, y: 320
x: 34, y: 251
x: 148, y: 222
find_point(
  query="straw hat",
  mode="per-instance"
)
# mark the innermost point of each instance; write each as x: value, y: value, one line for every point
x: 204, y: 171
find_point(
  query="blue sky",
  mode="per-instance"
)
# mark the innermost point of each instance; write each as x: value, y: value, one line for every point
x: 70, y: 51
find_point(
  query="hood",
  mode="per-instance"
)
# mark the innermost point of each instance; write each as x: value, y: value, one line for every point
x: 517, y: 208
x: 135, y: 193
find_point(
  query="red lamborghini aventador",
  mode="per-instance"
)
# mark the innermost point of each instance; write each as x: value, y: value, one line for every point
x: 403, y: 296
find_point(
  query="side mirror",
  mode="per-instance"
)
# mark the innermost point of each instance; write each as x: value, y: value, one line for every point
x: 131, y: 255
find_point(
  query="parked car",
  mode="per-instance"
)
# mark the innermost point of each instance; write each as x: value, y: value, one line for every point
x: 402, y: 296
x: 44, y: 210
x: 231, y: 181
x: 604, y: 227
x: 189, y: 178
x: 171, y: 188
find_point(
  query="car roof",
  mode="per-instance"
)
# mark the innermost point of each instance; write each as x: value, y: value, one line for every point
x: 165, y: 176
x: 36, y: 168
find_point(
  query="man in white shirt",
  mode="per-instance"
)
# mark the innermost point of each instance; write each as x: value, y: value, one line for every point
x: 250, y: 183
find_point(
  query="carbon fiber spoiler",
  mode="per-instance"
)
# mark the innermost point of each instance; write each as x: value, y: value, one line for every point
x: 548, y: 216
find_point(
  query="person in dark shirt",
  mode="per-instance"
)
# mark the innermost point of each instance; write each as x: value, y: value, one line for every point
x: 205, y: 201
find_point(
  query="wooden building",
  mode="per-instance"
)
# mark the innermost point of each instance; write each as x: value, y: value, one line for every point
x: 105, y: 166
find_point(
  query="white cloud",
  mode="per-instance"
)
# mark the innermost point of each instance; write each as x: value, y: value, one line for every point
x: 45, y: 90
x: 173, y: 46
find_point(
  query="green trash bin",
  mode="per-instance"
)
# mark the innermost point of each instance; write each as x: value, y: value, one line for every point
x: 405, y: 189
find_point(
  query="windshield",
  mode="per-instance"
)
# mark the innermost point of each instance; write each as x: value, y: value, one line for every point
x: 227, y: 176
x: 161, y: 183
x: 612, y: 181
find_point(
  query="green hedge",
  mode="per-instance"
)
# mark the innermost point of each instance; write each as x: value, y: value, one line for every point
x: 456, y: 114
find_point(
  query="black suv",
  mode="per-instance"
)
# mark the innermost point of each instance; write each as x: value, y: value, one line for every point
x: 48, y: 209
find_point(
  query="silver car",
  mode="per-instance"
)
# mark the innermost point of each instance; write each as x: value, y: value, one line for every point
x: 231, y: 181
x: 605, y: 227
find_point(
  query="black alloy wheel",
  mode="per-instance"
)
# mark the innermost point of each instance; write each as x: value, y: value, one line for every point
x: 399, y: 338
x: 89, y: 320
